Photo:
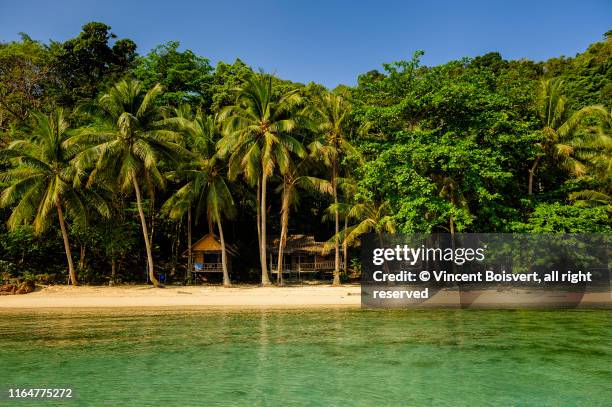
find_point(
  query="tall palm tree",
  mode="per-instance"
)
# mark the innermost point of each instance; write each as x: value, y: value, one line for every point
x: 43, y: 178
x: 349, y: 188
x: 129, y: 143
x: 559, y: 129
x: 295, y: 177
x: 180, y: 119
x: 205, y: 185
x: 258, y: 139
x: 330, y: 115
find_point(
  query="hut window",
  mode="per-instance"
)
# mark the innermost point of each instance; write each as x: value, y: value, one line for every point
x: 212, y: 258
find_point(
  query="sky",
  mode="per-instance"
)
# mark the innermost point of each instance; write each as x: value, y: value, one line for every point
x: 330, y: 42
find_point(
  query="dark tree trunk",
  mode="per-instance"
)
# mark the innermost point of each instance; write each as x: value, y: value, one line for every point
x: 113, y: 271
x: 532, y: 174
x: 82, y: 251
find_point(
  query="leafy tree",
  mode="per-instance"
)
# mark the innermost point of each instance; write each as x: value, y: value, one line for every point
x: 226, y: 79
x: 118, y: 237
x: 87, y: 64
x: 24, y: 78
x: 559, y: 218
x: 432, y: 180
x: 23, y: 251
x: 587, y: 76
x: 185, y: 77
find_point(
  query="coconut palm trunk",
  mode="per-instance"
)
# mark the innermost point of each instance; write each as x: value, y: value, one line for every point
x: 189, y: 240
x: 532, y: 173
x: 265, y: 280
x: 82, y: 252
x: 145, y: 233
x: 226, y: 278
x: 259, y: 219
x: 451, y: 219
x: 337, y: 222
x: 152, y: 209
x: 113, y: 271
x: 71, y: 272
x: 283, y: 237
x: 345, y: 247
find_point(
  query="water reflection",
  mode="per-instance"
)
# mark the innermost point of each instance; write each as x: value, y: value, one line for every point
x: 263, y: 357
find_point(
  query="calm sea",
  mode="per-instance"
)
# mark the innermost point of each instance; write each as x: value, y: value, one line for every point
x: 328, y: 357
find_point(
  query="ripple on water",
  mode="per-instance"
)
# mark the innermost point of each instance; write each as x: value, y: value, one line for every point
x: 313, y: 357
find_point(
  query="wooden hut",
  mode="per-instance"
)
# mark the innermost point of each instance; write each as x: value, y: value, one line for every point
x: 206, y: 254
x: 302, y: 254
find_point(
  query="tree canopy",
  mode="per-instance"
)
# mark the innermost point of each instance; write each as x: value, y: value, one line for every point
x: 480, y: 144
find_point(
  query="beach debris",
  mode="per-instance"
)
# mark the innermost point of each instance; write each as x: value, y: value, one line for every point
x: 17, y: 288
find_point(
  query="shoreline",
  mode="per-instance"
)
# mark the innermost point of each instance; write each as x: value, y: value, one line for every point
x: 245, y: 297
x: 235, y: 297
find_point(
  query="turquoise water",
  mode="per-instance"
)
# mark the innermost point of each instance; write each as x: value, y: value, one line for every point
x: 311, y: 357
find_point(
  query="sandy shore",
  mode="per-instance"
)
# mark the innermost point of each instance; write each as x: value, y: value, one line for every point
x: 251, y: 296
x: 186, y: 296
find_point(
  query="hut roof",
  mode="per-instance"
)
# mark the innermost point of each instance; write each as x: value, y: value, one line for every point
x: 299, y: 243
x: 210, y: 243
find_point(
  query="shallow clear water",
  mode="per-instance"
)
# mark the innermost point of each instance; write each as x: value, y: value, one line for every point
x: 311, y: 357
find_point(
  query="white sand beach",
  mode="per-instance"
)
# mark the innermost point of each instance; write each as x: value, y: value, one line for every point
x: 253, y: 296
x: 240, y: 296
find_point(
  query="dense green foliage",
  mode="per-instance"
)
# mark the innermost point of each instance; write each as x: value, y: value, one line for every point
x: 474, y: 145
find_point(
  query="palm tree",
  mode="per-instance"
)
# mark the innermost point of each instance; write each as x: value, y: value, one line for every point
x: 295, y: 177
x: 181, y: 120
x: 370, y: 217
x: 43, y: 180
x: 451, y: 190
x: 205, y: 185
x: 559, y: 129
x: 257, y: 139
x: 128, y: 142
x: 348, y: 186
x: 330, y: 114
x: 591, y: 197
x: 595, y: 149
